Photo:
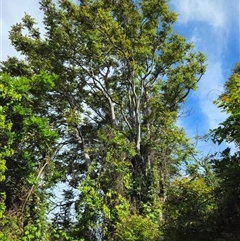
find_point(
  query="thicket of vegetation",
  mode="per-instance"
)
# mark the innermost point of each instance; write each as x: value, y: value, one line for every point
x: 92, y: 111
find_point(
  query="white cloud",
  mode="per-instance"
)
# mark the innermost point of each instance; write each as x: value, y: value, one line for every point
x: 210, y: 25
x: 209, y: 11
x: 210, y: 87
x: 196, y: 39
x: 217, y: 20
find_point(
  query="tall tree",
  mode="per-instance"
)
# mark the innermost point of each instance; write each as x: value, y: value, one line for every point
x: 122, y: 78
x: 227, y: 167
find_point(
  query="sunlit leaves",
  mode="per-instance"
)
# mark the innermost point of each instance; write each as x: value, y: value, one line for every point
x: 137, y: 228
x: 227, y: 165
x: 27, y: 140
x: 188, y: 207
x: 105, y: 88
x: 229, y: 102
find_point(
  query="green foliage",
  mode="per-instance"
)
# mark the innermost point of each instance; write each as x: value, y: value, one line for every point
x: 188, y: 208
x: 10, y: 229
x: 137, y: 228
x: 103, y: 192
x: 226, y: 167
x: 103, y: 124
x: 5, y: 151
x: 26, y: 149
x: 229, y: 103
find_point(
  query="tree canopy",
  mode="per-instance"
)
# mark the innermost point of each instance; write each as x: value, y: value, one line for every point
x: 92, y: 110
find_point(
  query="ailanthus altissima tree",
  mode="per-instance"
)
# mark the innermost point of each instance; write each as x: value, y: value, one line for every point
x: 122, y: 78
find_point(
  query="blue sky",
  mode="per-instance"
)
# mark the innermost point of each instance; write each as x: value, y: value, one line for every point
x: 212, y: 25
x: 214, y: 28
